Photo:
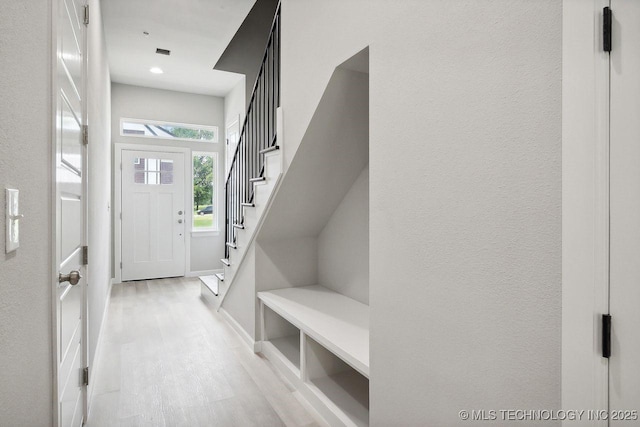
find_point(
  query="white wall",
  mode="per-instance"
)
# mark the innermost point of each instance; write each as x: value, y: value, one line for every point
x: 240, y: 301
x: 25, y: 155
x: 270, y: 265
x: 328, y: 160
x: 155, y: 104
x: 465, y: 193
x: 99, y: 176
x: 343, y: 244
x: 287, y: 263
x: 284, y: 264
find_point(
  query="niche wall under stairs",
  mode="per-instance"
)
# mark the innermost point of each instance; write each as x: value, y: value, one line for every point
x: 312, y: 257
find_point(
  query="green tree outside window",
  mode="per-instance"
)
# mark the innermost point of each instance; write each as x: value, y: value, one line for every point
x: 203, y: 174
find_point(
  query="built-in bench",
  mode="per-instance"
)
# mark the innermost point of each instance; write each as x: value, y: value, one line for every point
x: 320, y: 338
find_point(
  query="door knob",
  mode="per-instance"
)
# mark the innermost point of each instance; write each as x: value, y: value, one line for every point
x: 73, y: 278
x: 179, y: 212
x: 179, y: 221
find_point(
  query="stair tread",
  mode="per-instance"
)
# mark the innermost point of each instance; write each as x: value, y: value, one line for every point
x: 211, y: 283
x: 225, y: 261
x: 269, y: 149
x: 220, y: 276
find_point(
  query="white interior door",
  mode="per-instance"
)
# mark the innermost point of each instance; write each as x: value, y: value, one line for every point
x: 70, y: 164
x: 153, y: 215
x: 232, y: 138
x: 624, y: 294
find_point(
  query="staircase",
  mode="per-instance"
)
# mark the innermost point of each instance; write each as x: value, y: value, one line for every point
x: 256, y: 166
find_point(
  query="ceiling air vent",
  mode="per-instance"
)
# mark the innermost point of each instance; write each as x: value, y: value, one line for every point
x: 163, y: 51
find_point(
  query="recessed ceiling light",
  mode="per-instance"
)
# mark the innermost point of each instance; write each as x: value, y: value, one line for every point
x: 156, y: 70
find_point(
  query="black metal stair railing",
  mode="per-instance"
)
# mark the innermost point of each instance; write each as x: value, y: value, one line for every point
x: 258, y: 135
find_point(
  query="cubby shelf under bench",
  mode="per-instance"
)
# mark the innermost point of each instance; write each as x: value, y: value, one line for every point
x: 319, y: 340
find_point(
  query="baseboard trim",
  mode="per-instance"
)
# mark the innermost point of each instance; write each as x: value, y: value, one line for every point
x: 203, y: 273
x: 244, y: 335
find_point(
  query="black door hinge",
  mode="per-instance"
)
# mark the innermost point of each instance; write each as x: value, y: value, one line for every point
x: 86, y: 15
x: 606, y: 29
x: 85, y: 255
x: 85, y: 376
x: 606, y: 335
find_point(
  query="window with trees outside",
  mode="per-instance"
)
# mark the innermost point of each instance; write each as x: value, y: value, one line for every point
x: 204, y: 194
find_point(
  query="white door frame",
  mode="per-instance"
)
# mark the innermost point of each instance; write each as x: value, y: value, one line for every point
x: 53, y: 261
x: 117, y: 173
x: 227, y: 152
x: 585, y: 206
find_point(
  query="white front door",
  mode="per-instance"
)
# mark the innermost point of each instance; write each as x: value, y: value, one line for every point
x: 153, y: 215
x: 624, y: 292
x: 70, y: 200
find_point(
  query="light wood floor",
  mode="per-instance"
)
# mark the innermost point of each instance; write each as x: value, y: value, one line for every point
x: 168, y: 359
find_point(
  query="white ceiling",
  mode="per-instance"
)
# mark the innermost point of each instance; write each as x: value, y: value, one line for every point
x: 195, y: 31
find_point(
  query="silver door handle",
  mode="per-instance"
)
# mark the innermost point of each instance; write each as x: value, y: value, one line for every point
x: 179, y: 221
x: 73, y: 278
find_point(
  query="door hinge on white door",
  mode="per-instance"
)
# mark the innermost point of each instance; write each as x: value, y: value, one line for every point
x: 85, y: 134
x: 85, y: 255
x: 606, y: 335
x: 86, y: 14
x: 85, y: 376
x: 607, y: 21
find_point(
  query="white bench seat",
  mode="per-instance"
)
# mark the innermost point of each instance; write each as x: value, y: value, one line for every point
x: 338, y: 323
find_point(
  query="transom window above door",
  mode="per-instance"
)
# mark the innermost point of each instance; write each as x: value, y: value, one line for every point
x: 167, y: 130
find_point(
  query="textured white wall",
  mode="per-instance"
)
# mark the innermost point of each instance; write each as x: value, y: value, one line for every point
x: 26, y: 276
x: 465, y: 192
x: 270, y: 265
x: 240, y: 301
x: 285, y: 264
x: 343, y: 244
x: 329, y: 159
x: 156, y: 104
x: 99, y: 112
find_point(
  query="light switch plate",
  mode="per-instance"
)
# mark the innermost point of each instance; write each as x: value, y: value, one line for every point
x: 12, y: 209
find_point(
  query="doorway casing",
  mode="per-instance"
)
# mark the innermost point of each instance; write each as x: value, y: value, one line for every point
x: 585, y: 205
